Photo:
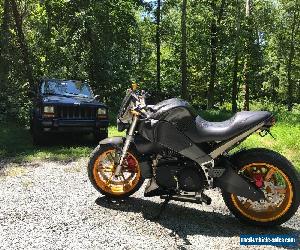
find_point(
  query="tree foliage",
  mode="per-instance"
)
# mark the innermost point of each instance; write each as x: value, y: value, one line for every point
x: 210, y: 52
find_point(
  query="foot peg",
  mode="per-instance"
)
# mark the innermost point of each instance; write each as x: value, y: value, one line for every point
x: 203, y: 198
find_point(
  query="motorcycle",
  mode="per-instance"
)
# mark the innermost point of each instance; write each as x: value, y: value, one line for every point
x: 184, y: 155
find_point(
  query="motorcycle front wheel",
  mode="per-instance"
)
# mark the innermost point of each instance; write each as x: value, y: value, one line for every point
x: 276, y: 177
x: 101, y: 168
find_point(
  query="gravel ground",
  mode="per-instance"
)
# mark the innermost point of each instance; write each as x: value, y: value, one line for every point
x: 52, y: 205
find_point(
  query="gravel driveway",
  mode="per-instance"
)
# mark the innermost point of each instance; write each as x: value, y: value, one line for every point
x: 52, y: 205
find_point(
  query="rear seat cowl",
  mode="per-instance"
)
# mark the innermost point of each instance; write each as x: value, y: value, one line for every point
x: 205, y: 131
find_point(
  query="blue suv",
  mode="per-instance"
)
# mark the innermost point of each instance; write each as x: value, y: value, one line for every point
x: 67, y: 106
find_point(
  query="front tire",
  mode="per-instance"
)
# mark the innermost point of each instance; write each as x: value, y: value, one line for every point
x: 101, y: 168
x: 278, y: 179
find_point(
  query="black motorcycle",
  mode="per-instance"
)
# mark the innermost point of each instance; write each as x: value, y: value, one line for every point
x: 183, y: 155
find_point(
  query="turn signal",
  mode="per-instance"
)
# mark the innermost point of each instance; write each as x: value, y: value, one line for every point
x: 134, y: 86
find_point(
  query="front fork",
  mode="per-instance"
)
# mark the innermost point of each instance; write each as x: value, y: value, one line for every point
x: 125, y: 148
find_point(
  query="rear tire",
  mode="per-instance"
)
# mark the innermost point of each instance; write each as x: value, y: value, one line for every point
x: 97, y: 177
x: 286, y: 186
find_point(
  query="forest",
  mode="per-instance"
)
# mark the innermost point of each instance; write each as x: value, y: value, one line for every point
x: 217, y: 54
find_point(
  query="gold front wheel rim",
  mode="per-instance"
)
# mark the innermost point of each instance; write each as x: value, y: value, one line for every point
x: 103, y: 172
x: 277, y: 188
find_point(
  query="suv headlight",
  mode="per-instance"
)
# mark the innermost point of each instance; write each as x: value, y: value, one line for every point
x: 48, y: 111
x: 102, y: 113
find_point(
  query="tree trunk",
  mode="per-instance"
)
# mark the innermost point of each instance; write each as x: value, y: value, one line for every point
x: 275, y: 84
x: 247, y: 55
x: 184, y: 92
x: 235, y: 82
x: 236, y: 61
x: 48, y: 36
x: 4, y: 54
x: 22, y: 44
x: 215, y: 23
x: 4, y: 38
x: 158, y: 44
x: 213, y: 62
x: 290, y: 91
x: 298, y: 93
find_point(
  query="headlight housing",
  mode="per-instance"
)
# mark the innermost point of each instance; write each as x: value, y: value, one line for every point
x: 48, y: 111
x: 102, y: 113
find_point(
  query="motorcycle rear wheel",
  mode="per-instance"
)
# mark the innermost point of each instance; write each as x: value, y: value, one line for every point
x: 101, y: 169
x: 278, y: 179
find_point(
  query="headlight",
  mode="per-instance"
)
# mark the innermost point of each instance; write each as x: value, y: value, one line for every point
x: 102, y: 112
x: 48, y: 111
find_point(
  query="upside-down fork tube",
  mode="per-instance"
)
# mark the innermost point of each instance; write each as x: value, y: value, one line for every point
x: 145, y: 165
x: 126, y: 146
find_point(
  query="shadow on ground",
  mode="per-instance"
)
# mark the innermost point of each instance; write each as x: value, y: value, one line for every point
x: 184, y: 221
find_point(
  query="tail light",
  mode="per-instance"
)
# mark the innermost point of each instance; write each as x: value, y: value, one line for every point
x: 271, y: 121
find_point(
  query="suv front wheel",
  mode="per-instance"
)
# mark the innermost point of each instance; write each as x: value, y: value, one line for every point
x: 38, y: 136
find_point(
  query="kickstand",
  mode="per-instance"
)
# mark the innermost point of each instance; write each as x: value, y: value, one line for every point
x: 161, y: 209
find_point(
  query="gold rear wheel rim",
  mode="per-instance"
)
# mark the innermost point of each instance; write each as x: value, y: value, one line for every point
x: 103, y: 172
x: 276, y: 185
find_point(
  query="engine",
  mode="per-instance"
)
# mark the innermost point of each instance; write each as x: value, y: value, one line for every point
x: 174, y: 173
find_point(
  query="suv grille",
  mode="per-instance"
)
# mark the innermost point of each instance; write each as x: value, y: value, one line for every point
x: 73, y: 112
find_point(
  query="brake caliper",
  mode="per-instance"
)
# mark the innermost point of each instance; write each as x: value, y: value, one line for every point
x: 131, y: 163
x: 259, y: 180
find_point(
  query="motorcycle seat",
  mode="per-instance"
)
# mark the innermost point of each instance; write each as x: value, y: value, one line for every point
x: 206, y: 131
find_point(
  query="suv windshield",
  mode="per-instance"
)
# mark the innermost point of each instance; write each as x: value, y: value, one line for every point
x: 66, y: 88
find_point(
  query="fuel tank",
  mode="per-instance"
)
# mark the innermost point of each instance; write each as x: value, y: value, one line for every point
x: 176, y: 111
x: 166, y: 126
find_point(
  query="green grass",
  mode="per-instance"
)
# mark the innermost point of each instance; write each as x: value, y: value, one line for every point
x: 286, y: 142
x: 16, y: 143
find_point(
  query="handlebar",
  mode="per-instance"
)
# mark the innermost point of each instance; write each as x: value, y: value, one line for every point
x: 139, y: 100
